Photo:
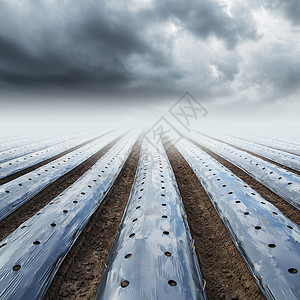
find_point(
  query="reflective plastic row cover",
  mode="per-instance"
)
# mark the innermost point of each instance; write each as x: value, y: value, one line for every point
x: 15, y: 165
x: 284, y: 183
x: 153, y: 255
x: 8, y: 138
x: 15, y: 193
x: 22, y: 150
x: 294, y: 140
x: 267, y: 240
x: 286, y: 159
x: 22, y: 141
x: 292, y: 147
x: 32, y: 254
x: 11, y: 137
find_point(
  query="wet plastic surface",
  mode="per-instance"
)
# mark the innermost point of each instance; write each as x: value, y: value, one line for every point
x: 31, y: 255
x: 21, y: 141
x: 287, y: 159
x: 267, y: 240
x: 282, y: 182
x: 18, y: 191
x: 295, y: 141
x: 153, y: 255
x: 281, y: 145
x: 7, y: 138
x: 15, y: 165
x: 23, y: 150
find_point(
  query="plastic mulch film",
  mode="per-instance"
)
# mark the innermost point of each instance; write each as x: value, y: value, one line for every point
x: 289, y: 145
x: 284, y: 183
x: 286, y: 159
x: 20, y: 163
x: 153, y: 256
x: 23, y: 150
x: 15, y: 193
x: 31, y: 255
x: 21, y: 141
x: 267, y: 240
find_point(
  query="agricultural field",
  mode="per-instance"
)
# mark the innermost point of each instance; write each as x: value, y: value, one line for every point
x: 115, y: 214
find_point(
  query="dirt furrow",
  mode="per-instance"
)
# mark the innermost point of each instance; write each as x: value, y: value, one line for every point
x: 28, y: 209
x: 224, y: 270
x: 290, y: 211
x: 44, y: 162
x: 259, y: 156
x: 79, y: 275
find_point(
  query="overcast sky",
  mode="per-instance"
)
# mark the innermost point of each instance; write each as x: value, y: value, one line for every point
x: 227, y: 53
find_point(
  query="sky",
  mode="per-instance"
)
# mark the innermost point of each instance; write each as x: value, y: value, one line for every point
x: 87, y: 62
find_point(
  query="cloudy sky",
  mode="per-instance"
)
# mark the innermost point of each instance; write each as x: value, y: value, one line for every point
x: 241, y: 56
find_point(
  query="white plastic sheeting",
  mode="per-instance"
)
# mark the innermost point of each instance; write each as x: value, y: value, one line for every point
x: 6, y: 139
x: 292, y: 140
x: 153, y: 255
x: 291, y: 147
x: 31, y: 255
x: 282, y: 182
x: 22, y: 150
x: 22, y: 141
x: 16, y: 192
x: 18, y: 164
x: 267, y: 240
x: 287, y: 159
x: 285, y: 139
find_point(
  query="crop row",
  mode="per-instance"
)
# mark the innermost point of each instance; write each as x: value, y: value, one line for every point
x: 31, y: 255
x: 267, y: 240
x: 291, y: 146
x: 153, y: 255
x: 21, y: 141
x: 15, y: 165
x: 286, y: 159
x: 18, y: 191
x: 284, y: 183
x: 15, y: 152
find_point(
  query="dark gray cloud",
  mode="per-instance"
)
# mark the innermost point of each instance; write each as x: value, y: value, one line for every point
x: 229, y: 67
x: 88, y: 44
x: 60, y: 55
x: 289, y: 8
x: 275, y: 72
x: 156, y: 50
x: 206, y: 18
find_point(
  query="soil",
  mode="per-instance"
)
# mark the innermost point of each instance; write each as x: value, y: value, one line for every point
x: 31, y: 207
x: 273, y: 162
x: 290, y: 211
x: 259, y: 156
x: 222, y: 267
x: 79, y: 275
x: 44, y: 162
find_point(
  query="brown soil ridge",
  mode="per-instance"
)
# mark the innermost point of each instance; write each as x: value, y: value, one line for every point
x: 44, y: 162
x: 80, y: 273
x: 287, y: 209
x: 31, y: 207
x: 222, y: 267
x: 259, y: 156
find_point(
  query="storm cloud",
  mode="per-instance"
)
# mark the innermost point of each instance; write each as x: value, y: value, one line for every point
x: 209, y: 18
x: 212, y: 48
x: 288, y: 8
